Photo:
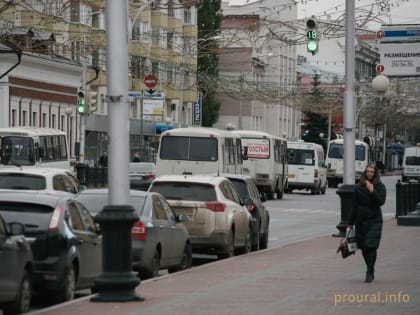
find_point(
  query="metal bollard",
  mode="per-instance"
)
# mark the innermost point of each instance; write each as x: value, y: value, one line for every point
x: 399, y: 199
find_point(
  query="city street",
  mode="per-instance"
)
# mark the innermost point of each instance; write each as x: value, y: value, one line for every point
x: 300, y: 216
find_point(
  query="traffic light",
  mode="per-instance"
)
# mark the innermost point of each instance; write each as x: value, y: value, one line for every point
x: 81, y: 108
x: 92, y: 101
x: 312, y: 35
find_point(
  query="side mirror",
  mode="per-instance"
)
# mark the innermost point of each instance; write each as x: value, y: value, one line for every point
x: 16, y: 228
x: 182, y: 218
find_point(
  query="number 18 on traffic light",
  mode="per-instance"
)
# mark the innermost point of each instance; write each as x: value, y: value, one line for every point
x: 312, y: 35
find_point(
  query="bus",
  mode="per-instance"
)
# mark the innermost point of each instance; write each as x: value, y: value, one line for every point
x: 364, y: 154
x: 265, y: 159
x: 306, y: 164
x: 198, y: 150
x: 33, y: 146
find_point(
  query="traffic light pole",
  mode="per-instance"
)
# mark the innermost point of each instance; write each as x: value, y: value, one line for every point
x: 83, y: 120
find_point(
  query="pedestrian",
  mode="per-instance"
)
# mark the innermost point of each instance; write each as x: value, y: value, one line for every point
x: 136, y: 157
x: 103, y: 159
x: 367, y: 216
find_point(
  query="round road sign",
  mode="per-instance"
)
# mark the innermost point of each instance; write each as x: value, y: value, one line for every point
x: 150, y: 81
x: 380, y: 34
x: 380, y: 68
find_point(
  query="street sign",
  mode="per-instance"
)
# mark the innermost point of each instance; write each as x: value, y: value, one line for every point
x: 400, y: 59
x: 197, y: 110
x: 400, y: 33
x: 380, y: 68
x: 380, y: 34
x: 150, y: 81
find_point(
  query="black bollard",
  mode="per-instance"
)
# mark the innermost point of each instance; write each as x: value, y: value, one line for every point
x: 117, y: 282
x: 347, y: 194
x: 399, y: 199
x: 82, y: 169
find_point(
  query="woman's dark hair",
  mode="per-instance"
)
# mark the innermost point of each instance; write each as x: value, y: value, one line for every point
x: 376, y: 178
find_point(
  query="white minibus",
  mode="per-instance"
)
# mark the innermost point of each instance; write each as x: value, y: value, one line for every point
x: 307, y: 170
x: 335, y: 163
x: 198, y: 150
x: 411, y: 163
x: 265, y: 159
x: 34, y: 146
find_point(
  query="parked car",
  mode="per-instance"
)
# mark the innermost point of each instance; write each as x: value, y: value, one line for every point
x: 39, y: 179
x: 16, y: 269
x: 67, y: 245
x: 159, y: 239
x: 218, y: 221
x: 141, y: 175
x: 246, y: 186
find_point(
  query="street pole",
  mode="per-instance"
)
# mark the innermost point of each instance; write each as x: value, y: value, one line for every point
x: 241, y: 81
x: 117, y: 282
x: 347, y: 190
x: 83, y: 118
x: 181, y: 95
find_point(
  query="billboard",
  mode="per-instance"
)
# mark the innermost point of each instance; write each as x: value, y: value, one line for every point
x: 256, y: 148
x: 400, y: 59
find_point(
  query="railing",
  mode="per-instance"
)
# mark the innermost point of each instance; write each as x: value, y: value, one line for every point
x: 92, y: 176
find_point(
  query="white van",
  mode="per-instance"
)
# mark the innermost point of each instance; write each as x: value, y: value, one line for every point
x: 411, y: 163
x: 307, y: 168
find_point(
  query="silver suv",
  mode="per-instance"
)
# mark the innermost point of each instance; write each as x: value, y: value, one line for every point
x: 218, y: 220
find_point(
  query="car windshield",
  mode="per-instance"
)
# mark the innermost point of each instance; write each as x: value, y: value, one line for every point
x: 34, y: 217
x: 300, y: 157
x: 412, y: 160
x: 188, y: 148
x: 185, y: 191
x: 240, y: 186
x: 22, y: 181
x: 96, y: 202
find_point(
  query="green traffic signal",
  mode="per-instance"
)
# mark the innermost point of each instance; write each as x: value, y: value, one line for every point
x: 312, y: 46
x: 81, y: 102
x: 312, y: 37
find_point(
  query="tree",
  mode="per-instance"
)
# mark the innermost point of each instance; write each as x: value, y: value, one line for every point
x: 209, y: 22
x: 315, y: 124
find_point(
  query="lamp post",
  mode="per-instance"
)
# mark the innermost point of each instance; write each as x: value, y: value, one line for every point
x: 380, y: 84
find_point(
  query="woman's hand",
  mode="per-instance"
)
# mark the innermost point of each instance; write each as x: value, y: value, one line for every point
x: 369, y: 186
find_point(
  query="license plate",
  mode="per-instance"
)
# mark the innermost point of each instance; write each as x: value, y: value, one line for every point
x: 291, y: 175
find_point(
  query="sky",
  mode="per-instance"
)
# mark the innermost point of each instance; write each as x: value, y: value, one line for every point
x: 401, y: 11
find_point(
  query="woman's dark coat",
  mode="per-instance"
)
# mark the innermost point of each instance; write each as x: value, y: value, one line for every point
x: 367, y: 217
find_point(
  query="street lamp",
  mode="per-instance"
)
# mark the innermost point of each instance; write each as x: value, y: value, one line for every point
x: 380, y: 84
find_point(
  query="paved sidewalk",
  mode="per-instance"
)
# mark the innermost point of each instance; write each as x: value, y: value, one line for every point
x: 306, y: 277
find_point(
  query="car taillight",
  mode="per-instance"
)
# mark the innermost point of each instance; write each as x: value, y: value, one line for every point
x: 251, y: 206
x: 216, y: 206
x: 138, y: 232
x: 55, y: 218
x: 316, y: 173
x: 150, y: 175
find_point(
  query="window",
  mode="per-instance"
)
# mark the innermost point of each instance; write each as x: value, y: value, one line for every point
x: 185, y: 191
x: 189, y: 148
x: 336, y: 151
x: 158, y: 211
x: 360, y: 153
x: 300, y: 157
x: 76, y: 222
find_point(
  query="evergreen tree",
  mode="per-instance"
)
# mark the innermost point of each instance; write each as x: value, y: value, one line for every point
x: 209, y: 21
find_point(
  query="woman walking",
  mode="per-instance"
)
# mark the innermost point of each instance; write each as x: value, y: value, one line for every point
x: 367, y: 216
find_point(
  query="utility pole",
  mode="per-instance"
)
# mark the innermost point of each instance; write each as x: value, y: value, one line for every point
x: 241, y: 82
x: 347, y: 190
x: 117, y: 282
x: 181, y: 90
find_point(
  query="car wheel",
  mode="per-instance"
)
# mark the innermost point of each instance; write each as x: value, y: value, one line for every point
x: 247, y: 246
x: 186, y: 261
x: 264, y: 240
x: 22, y: 304
x: 66, y: 293
x: 256, y: 239
x: 230, y: 248
x: 154, y: 267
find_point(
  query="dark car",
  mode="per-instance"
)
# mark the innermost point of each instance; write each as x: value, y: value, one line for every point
x: 159, y: 239
x: 141, y: 175
x: 15, y: 269
x: 246, y: 187
x: 66, y: 246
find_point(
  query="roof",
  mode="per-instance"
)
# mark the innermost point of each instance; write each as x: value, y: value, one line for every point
x: 43, y: 171
x: 104, y: 191
x: 199, y: 132
x: 41, y: 198
x: 255, y: 133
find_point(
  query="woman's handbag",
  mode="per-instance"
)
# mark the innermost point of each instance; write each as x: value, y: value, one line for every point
x: 348, y: 244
